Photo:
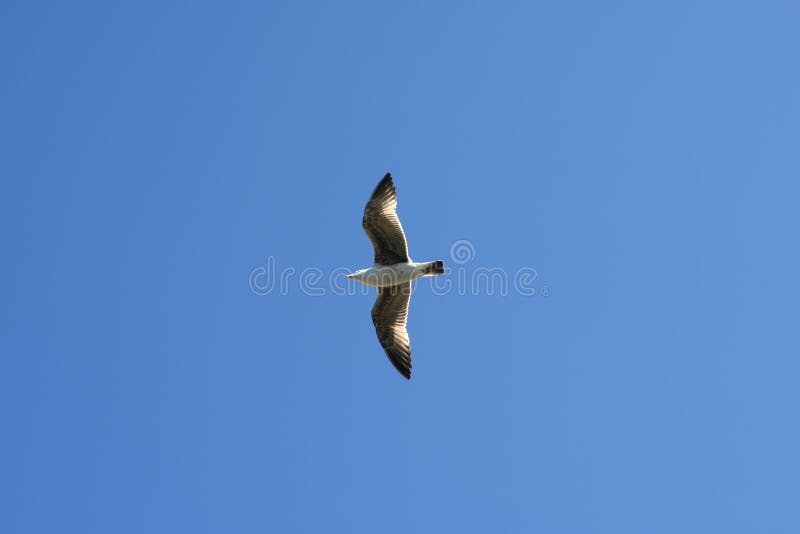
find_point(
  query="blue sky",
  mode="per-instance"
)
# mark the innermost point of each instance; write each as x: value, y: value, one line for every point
x: 641, y: 157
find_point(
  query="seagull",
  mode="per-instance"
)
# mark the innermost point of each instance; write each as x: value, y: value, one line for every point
x: 391, y: 273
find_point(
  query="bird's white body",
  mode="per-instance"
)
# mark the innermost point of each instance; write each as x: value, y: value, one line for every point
x: 391, y: 275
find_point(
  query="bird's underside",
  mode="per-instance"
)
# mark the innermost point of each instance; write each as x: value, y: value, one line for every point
x: 390, y: 311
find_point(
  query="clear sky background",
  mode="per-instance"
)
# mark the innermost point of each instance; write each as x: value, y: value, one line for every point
x: 642, y: 157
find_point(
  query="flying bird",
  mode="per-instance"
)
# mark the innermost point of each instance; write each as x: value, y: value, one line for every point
x: 391, y: 273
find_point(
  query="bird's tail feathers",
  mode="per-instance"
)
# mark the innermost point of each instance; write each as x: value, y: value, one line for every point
x: 434, y: 267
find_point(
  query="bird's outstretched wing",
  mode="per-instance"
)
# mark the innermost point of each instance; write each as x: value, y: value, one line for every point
x: 389, y: 315
x: 382, y: 225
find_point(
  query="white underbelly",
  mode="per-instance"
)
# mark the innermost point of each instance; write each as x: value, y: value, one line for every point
x: 389, y: 275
